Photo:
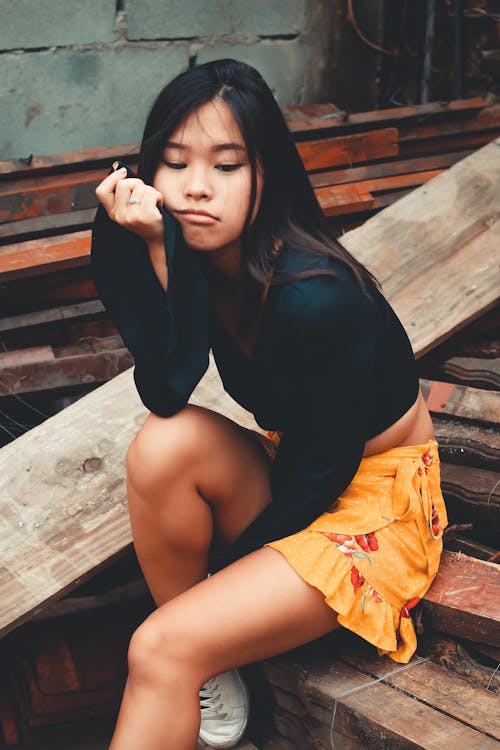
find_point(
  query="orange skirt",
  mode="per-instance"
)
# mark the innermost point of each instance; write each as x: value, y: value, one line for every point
x: 376, y: 551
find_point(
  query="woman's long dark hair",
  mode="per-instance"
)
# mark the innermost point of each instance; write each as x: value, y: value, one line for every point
x: 289, y: 211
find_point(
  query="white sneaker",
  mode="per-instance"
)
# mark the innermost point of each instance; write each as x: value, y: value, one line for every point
x: 224, y: 710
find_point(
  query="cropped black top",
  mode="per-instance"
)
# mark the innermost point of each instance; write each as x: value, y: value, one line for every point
x: 332, y: 364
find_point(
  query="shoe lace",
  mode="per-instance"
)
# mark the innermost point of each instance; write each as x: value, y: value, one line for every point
x: 210, y: 700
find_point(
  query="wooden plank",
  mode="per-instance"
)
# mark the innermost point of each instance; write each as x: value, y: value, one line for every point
x: 54, y: 315
x: 446, y: 143
x: 30, y: 198
x: 488, y: 119
x: 321, y: 116
x: 429, y: 683
x: 36, y: 257
x: 466, y: 442
x: 461, y: 401
x: 481, y: 373
x: 349, y: 149
x: 469, y: 607
x: 309, y: 688
x: 421, y: 263
x: 391, y: 168
x: 343, y: 199
x: 460, y: 543
x: 54, y: 538
x: 29, y: 229
x: 69, y: 286
x: 47, y: 373
x: 472, y: 493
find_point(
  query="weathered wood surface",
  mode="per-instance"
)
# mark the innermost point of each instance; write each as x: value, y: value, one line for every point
x: 35, y: 257
x: 472, y: 494
x: 469, y: 443
x: 481, y: 373
x: 45, y: 368
x: 63, y: 510
x: 432, y: 685
x: 461, y: 401
x: 436, y: 251
x: 464, y: 599
x: 320, y: 698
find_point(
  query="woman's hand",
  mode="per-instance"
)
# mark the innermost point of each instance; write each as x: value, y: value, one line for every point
x: 133, y: 205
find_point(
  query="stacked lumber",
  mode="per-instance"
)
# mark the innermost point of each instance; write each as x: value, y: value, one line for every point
x: 358, y: 164
x: 63, y: 517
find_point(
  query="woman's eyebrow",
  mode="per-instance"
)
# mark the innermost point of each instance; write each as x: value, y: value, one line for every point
x: 216, y: 148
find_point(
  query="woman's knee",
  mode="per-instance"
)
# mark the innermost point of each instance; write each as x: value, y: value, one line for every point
x: 160, y: 653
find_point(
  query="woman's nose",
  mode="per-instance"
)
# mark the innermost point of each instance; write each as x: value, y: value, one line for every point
x: 198, y: 183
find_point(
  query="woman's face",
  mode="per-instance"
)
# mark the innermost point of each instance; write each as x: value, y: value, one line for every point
x: 205, y: 178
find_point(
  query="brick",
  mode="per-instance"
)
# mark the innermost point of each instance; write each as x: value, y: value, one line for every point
x: 44, y: 23
x: 66, y: 100
x: 283, y: 65
x: 150, y: 19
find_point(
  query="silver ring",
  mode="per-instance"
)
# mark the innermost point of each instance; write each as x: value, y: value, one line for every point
x: 133, y: 200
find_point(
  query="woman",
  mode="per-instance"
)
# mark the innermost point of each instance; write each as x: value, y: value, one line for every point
x: 335, y: 518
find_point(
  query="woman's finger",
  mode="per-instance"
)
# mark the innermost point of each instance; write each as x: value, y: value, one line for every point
x: 105, y: 191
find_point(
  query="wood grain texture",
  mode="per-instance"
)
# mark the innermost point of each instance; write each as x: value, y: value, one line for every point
x: 472, y: 494
x: 63, y: 508
x: 41, y: 256
x: 318, y: 694
x: 435, y: 686
x: 464, y: 599
x: 461, y: 401
x: 435, y: 251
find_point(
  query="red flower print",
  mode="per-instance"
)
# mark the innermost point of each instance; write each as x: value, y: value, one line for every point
x: 427, y: 458
x: 375, y: 595
x: 367, y: 542
x: 435, y: 525
x: 405, y: 611
x: 356, y: 578
x: 337, y: 538
x: 345, y: 542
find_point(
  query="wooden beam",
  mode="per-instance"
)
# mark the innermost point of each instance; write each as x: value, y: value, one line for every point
x: 349, y: 149
x: 63, y: 508
x: 461, y: 401
x: 37, y: 257
x: 466, y: 442
x: 463, y: 600
x: 46, y: 369
x: 320, y: 699
x: 430, y: 684
x: 472, y: 494
x: 437, y: 280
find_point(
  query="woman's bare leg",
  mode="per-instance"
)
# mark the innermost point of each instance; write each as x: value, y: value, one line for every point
x: 191, y: 477
x: 253, y: 609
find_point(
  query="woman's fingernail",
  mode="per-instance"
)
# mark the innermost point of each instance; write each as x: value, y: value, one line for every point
x: 122, y: 170
x: 115, y: 165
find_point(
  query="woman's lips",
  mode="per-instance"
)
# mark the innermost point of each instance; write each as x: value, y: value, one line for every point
x: 197, y: 217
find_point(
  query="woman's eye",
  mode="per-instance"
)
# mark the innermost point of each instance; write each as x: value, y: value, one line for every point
x: 174, y: 164
x: 228, y: 167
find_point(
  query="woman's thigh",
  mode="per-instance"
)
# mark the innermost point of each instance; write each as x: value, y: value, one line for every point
x: 253, y: 609
x: 223, y: 463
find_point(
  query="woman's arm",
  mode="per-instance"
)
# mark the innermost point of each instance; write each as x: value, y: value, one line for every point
x: 329, y: 345
x: 162, y: 315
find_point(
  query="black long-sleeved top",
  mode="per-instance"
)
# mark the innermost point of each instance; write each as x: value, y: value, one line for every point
x: 332, y: 364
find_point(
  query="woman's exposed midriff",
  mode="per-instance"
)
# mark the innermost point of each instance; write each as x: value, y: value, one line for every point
x: 413, y: 428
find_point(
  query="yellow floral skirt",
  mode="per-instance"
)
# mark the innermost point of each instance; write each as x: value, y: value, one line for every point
x: 376, y: 551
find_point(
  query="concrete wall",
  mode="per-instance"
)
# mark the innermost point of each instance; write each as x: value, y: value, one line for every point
x: 84, y: 73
